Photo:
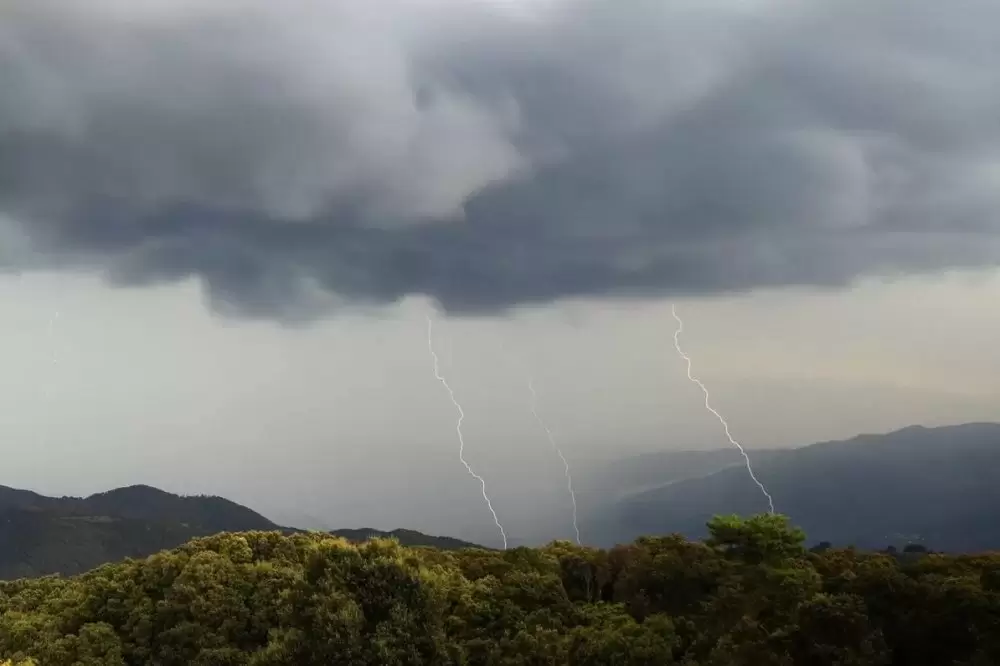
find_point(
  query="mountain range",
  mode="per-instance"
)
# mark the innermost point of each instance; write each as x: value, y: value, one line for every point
x: 42, y: 535
x: 932, y: 486
x: 936, y: 486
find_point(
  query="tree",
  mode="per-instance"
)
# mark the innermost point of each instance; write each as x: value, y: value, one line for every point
x: 751, y: 594
x: 760, y: 539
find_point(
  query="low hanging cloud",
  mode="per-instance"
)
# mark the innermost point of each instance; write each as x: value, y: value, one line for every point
x: 298, y: 155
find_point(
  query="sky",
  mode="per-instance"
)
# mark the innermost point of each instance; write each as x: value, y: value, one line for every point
x: 224, y: 224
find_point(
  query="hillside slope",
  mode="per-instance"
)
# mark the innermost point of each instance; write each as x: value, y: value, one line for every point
x: 751, y: 595
x: 410, y: 538
x: 933, y: 485
x: 42, y: 535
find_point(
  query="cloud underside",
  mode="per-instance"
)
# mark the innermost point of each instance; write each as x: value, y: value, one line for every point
x: 296, y: 157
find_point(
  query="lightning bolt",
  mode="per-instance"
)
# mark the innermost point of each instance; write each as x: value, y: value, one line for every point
x: 555, y: 447
x: 708, y: 406
x: 458, y: 428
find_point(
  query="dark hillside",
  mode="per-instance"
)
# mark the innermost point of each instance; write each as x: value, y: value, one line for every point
x: 938, y: 486
x: 43, y: 535
x: 204, y: 512
x: 68, y: 535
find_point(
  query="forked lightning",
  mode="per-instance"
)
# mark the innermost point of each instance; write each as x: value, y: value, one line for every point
x: 552, y: 442
x: 458, y: 428
x: 708, y: 406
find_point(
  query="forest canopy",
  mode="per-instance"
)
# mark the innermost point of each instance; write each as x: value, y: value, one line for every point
x: 751, y: 594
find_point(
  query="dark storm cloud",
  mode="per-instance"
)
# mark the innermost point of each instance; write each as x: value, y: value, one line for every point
x: 291, y: 155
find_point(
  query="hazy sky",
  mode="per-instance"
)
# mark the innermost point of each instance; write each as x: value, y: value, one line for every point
x: 223, y: 225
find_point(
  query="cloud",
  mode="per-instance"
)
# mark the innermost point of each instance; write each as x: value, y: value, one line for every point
x: 296, y: 156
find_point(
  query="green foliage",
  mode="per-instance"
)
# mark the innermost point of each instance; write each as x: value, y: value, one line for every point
x: 763, y: 538
x: 749, y: 595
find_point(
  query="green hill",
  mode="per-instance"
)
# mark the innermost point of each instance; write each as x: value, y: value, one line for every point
x: 750, y: 595
x: 404, y: 537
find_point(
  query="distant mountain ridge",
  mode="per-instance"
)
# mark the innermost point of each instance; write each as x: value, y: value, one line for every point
x: 405, y: 538
x: 42, y: 535
x: 939, y: 486
x: 142, y: 502
x: 936, y: 486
